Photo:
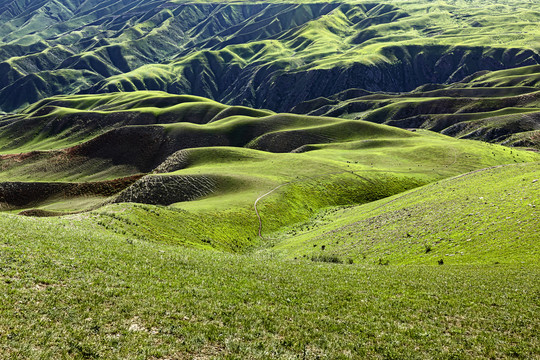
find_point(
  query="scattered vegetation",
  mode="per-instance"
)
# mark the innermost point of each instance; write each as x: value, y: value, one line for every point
x: 327, y: 258
x: 486, y: 216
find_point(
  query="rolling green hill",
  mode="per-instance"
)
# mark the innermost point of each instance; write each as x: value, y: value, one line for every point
x: 219, y: 170
x: 269, y: 179
x: 76, y: 290
x: 482, y: 216
x: 500, y: 106
x: 264, y: 239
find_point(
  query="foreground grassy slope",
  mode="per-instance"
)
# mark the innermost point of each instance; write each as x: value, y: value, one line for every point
x: 87, y: 292
x: 480, y: 217
x: 114, y: 283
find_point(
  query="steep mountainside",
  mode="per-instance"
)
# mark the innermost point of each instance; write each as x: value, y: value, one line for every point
x: 261, y: 54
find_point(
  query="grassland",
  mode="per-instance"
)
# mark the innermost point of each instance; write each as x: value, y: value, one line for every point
x: 144, y: 216
x: 169, y: 263
x: 487, y: 216
x: 114, y: 283
x: 80, y: 286
x: 208, y: 163
x: 74, y: 290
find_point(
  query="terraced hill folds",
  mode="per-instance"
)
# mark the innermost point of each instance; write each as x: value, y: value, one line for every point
x: 499, y: 106
x: 229, y: 175
x: 260, y: 54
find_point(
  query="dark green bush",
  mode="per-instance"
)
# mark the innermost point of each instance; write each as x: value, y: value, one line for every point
x: 327, y: 258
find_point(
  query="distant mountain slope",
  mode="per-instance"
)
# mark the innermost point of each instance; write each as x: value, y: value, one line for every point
x: 260, y: 54
x: 500, y: 106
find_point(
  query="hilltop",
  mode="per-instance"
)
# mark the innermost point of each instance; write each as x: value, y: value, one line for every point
x: 467, y: 69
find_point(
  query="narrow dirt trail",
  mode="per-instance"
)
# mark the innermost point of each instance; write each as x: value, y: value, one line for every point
x: 295, y: 181
x: 257, y: 211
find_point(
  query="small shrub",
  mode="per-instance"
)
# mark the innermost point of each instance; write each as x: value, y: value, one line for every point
x: 427, y: 247
x: 351, y: 261
x: 440, y: 262
x: 384, y: 261
x: 327, y: 258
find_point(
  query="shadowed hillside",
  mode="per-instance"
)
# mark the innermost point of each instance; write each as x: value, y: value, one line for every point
x: 265, y: 54
x: 499, y: 106
x: 227, y: 175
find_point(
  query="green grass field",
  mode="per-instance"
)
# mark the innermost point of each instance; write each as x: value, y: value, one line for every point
x: 159, y: 200
x: 80, y: 286
x: 74, y: 290
x: 140, y: 281
x: 485, y: 217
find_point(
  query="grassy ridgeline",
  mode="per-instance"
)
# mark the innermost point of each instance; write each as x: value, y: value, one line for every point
x: 264, y: 54
x: 499, y: 106
x: 487, y: 216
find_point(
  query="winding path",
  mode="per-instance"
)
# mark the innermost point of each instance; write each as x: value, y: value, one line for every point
x: 290, y: 182
x: 257, y: 211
